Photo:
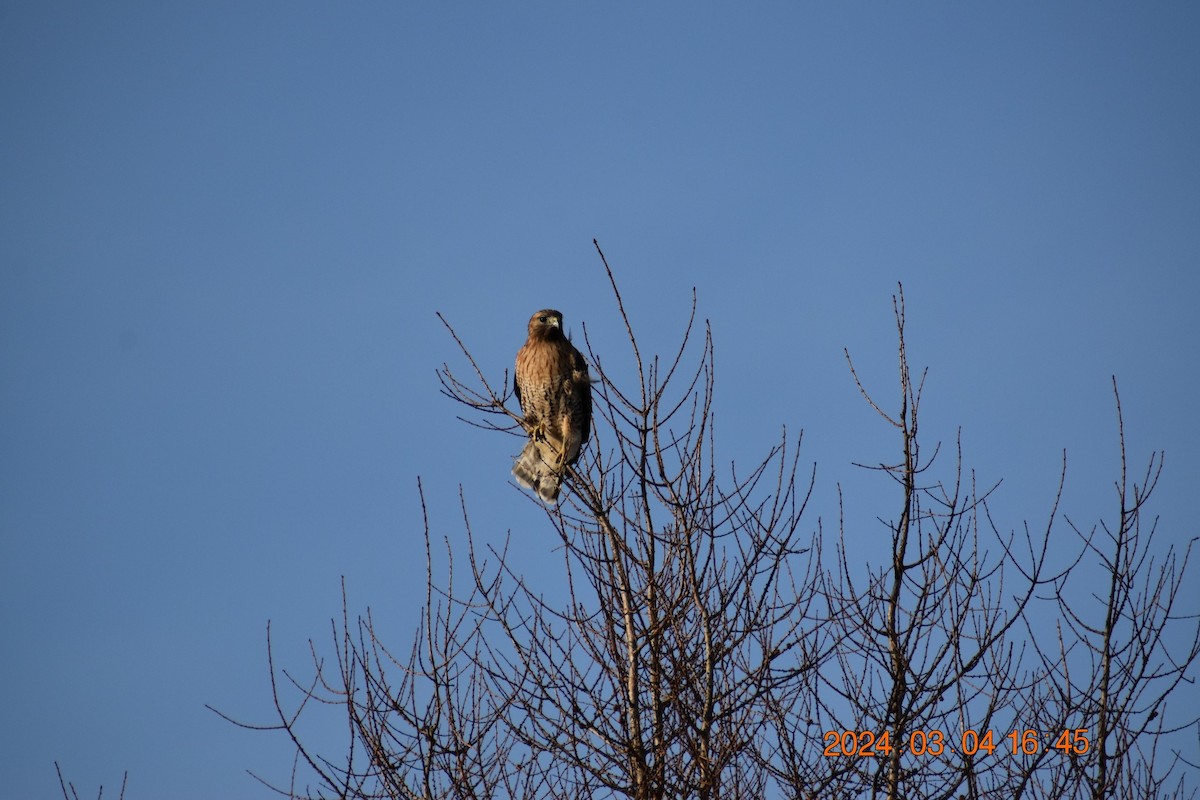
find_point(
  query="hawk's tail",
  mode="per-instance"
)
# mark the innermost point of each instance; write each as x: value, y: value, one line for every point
x: 532, y: 472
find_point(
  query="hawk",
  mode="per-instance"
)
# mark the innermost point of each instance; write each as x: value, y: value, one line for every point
x: 552, y: 385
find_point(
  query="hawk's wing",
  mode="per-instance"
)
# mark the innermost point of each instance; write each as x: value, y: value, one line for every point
x: 582, y: 385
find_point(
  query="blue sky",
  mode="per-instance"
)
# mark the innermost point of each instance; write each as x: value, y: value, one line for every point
x: 225, y: 230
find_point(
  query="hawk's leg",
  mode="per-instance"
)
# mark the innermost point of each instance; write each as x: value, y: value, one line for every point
x: 536, y: 429
x: 570, y: 445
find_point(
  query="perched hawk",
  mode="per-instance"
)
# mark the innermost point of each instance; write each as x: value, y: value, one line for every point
x: 552, y: 385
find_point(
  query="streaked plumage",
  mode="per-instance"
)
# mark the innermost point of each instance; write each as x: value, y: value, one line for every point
x: 552, y: 385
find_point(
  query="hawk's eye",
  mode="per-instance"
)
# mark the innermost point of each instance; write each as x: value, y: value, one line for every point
x: 541, y: 319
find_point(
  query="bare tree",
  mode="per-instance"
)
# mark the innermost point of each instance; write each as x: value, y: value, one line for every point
x: 425, y: 725
x: 1115, y: 668
x: 689, y: 600
x: 70, y: 793
x: 925, y: 668
x: 705, y: 647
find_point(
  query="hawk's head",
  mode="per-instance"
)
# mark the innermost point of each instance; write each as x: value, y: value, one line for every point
x: 545, y: 324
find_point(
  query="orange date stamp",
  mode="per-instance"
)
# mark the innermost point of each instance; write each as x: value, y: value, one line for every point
x: 867, y: 744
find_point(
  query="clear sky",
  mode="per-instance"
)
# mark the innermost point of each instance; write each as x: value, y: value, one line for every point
x: 225, y: 229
